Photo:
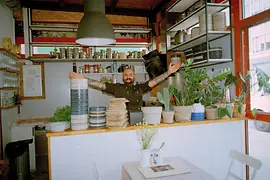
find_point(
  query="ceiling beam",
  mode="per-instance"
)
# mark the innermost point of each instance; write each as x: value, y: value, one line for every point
x: 56, y: 6
x: 158, y: 8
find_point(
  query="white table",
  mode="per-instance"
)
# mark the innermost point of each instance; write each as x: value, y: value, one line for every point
x: 130, y: 172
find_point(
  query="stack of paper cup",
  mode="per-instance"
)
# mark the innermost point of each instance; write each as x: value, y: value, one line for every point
x: 219, y: 21
x: 79, y: 104
x: 202, y: 23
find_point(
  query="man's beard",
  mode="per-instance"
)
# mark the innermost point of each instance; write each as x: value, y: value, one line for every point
x: 128, y: 81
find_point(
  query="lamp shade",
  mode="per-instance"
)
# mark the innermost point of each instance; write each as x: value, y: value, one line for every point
x: 94, y: 30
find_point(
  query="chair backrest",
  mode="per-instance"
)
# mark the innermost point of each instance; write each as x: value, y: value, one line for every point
x: 244, y: 159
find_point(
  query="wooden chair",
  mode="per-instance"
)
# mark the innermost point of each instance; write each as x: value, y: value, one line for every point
x: 244, y: 159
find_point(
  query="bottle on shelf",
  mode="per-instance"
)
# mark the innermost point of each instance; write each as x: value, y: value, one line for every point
x: 74, y: 67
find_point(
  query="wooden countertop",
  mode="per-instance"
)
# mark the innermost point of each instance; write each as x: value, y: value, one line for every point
x: 69, y: 132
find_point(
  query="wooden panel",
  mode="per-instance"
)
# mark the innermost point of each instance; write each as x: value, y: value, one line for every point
x: 75, y: 17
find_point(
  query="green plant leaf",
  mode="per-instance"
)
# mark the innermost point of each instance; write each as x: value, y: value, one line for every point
x: 254, y: 112
x: 222, y: 112
x: 222, y: 76
x: 239, y: 109
x: 229, y: 111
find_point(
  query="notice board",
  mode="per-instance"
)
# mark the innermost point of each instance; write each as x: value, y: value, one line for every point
x: 33, y: 81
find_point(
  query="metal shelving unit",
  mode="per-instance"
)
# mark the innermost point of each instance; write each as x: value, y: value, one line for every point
x: 191, y: 20
x: 29, y: 27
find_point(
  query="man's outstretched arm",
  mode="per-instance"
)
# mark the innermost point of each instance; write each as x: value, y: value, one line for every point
x: 157, y: 80
x: 91, y: 82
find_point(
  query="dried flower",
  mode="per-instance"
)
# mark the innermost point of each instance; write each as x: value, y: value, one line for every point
x: 145, y: 134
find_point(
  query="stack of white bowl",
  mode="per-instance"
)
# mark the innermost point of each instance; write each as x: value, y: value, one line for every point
x: 202, y: 23
x: 79, y: 104
x: 97, y: 117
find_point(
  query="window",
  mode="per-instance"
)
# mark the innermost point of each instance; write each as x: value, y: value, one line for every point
x: 267, y: 39
x: 252, y: 7
x: 258, y: 47
x: 262, y: 46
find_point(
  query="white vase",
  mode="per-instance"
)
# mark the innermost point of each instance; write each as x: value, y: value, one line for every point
x: 152, y: 115
x: 144, y: 156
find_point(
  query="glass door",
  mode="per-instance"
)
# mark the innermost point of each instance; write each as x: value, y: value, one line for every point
x: 258, y: 62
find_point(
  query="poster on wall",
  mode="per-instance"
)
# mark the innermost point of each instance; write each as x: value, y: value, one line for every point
x: 33, y: 77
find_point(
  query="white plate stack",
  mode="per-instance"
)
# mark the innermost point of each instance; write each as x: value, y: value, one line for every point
x: 117, y: 114
x: 97, y: 117
x: 79, y: 104
x: 219, y: 21
x: 202, y: 23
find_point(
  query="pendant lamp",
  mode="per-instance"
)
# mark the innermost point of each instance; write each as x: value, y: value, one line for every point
x: 95, y: 29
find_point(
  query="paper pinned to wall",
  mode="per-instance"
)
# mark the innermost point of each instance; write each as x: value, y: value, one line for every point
x: 32, y: 80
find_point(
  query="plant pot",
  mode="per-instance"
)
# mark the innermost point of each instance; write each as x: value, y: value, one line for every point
x: 144, y: 155
x: 168, y: 117
x: 222, y: 105
x: 211, y: 113
x: 236, y: 113
x: 152, y: 115
x: 182, y: 113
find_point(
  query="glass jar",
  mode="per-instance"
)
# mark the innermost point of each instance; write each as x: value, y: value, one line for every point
x: 87, y: 68
x: 96, y: 68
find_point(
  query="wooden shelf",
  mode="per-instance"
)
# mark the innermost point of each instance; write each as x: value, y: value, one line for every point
x: 9, y: 70
x: 10, y: 53
x: 10, y: 107
x: 9, y: 88
x: 73, y: 28
x: 93, y: 74
x: 34, y: 59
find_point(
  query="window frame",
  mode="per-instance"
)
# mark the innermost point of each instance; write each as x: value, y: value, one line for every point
x: 241, y: 47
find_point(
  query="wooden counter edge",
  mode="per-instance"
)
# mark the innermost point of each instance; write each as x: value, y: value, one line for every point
x: 69, y: 132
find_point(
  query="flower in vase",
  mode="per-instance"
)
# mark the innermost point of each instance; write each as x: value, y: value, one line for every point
x: 145, y: 134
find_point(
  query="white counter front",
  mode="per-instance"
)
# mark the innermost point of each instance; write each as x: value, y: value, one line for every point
x: 206, y: 145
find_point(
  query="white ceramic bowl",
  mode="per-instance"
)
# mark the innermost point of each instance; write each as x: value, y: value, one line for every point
x: 79, y: 126
x: 57, y: 126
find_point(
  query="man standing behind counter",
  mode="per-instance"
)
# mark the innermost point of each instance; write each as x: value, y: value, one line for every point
x: 128, y: 90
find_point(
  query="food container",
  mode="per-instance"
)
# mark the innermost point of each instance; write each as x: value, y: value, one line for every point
x: 62, y: 54
x: 70, y: 53
x: 187, y: 37
x: 197, y: 112
x: 79, y: 126
x: 122, y: 55
x: 214, y: 53
x: 57, y: 126
x: 135, y: 117
x: 195, y: 32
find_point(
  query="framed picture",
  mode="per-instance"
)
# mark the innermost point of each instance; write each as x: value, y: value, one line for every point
x: 33, y: 81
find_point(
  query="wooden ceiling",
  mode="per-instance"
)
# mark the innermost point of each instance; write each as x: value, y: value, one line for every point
x: 145, y: 8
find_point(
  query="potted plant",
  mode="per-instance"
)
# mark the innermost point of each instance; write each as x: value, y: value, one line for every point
x: 226, y: 106
x: 246, y: 86
x: 210, y: 98
x: 196, y: 83
x: 165, y: 98
x: 145, y: 134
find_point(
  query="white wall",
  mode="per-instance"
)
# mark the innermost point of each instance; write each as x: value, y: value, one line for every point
x: 57, y: 87
x: 7, y: 30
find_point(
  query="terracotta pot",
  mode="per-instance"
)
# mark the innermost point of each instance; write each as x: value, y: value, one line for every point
x: 167, y: 117
x: 182, y: 113
x: 236, y: 113
x: 211, y: 113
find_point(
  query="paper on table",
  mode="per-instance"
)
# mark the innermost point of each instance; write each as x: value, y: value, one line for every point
x: 178, y: 169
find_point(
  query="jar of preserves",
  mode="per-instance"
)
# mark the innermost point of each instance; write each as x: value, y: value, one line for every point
x: 96, y: 68
x: 87, y: 68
